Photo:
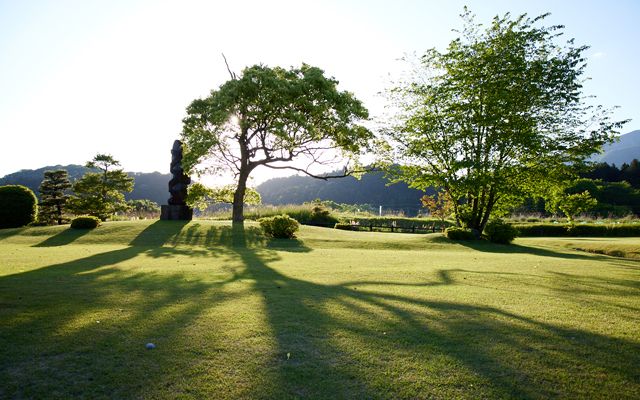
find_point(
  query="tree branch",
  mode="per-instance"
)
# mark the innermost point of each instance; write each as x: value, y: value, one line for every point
x: 323, y: 177
x: 233, y: 74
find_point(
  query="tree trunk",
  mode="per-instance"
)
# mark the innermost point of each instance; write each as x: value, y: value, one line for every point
x: 489, y: 208
x: 238, y: 196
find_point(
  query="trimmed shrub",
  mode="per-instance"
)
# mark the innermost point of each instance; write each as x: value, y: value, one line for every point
x: 538, y: 230
x: 455, y: 233
x: 498, y: 231
x: 581, y: 230
x: 280, y: 226
x: 320, y: 216
x: 85, y: 222
x: 344, y: 227
x: 18, y: 206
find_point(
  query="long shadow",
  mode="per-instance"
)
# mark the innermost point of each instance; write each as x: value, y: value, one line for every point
x: 487, y: 247
x: 62, y: 238
x: 331, y: 340
x: 313, y: 361
x: 84, y: 307
x: 8, y: 232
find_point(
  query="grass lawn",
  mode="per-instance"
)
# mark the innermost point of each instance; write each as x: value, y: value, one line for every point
x: 333, y: 314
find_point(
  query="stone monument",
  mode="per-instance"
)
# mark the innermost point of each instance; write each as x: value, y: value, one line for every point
x: 177, y: 209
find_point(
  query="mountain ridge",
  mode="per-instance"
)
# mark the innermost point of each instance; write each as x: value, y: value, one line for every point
x: 147, y: 185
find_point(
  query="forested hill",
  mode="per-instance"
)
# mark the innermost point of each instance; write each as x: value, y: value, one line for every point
x: 152, y: 186
x: 371, y: 189
x: 622, y: 151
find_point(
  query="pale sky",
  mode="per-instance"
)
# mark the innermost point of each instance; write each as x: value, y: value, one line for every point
x: 81, y: 77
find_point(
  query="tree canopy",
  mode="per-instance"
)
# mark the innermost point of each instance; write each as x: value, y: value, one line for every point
x: 200, y: 197
x: 100, y: 194
x: 270, y: 117
x: 52, y: 196
x: 500, y: 115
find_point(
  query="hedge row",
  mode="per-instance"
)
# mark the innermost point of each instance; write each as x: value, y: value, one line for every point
x: 587, y: 230
x: 402, y: 223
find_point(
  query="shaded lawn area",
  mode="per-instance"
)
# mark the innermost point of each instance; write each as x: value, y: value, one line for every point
x: 333, y: 314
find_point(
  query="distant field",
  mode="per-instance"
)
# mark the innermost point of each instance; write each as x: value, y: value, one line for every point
x: 333, y: 314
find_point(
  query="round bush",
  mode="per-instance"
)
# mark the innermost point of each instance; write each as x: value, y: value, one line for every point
x: 280, y: 226
x: 498, y: 231
x: 455, y: 233
x: 85, y: 222
x: 18, y: 206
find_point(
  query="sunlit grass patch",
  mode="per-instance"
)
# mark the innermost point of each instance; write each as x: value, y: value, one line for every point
x: 331, y: 314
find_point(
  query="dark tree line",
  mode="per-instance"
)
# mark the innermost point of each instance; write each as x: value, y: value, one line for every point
x: 610, y: 173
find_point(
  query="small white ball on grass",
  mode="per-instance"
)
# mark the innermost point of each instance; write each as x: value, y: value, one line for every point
x: 150, y: 346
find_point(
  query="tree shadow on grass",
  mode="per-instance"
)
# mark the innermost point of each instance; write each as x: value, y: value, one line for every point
x: 62, y: 238
x: 8, y: 232
x: 488, y: 247
x: 479, y: 352
x: 84, y: 335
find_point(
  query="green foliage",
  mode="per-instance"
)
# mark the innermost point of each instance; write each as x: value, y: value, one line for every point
x: 456, y: 233
x: 320, y: 216
x: 496, y: 118
x: 53, y: 197
x: 270, y: 116
x: 400, y: 223
x: 576, y: 203
x: 343, y: 226
x: 280, y: 226
x: 101, y: 194
x: 585, y: 230
x: 200, y: 197
x: 18, y: 206
x: 85, y: 222
x: 498, y: 231
x: 143, y: 208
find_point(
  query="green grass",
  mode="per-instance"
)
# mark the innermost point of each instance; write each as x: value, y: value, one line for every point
x: 620, y: 247
x: 333, y: 314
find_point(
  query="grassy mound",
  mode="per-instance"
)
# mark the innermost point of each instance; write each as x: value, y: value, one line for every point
x: 331, y: 314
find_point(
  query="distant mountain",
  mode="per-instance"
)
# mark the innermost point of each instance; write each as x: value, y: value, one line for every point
x: 152, y: 186
x: 373, y: 189
x: 623, y: 151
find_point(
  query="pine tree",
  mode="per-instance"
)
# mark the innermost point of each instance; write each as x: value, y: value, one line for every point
x: 101, y: 193
x: 52, y: 196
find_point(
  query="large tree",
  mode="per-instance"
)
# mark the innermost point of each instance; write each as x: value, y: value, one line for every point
x: 498, y: 116
x: 101, y: 193
x: 52, y: 196
x: 270, y: 117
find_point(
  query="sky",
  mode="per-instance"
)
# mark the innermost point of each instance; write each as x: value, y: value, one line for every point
x: 81, y: 77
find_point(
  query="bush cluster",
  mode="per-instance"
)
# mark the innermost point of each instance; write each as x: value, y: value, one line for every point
x: 85, y: 222
x: 455, y: 233
x: 344, y: 226
x: 498, y: 231
x: 280, y: 226
x: 18, y: 206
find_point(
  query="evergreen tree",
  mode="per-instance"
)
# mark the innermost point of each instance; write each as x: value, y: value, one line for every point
x: 101, y: 193
x: 52, y: 196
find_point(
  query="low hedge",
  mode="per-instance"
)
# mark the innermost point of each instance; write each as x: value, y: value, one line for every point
x: 455, y: 233
x: 580, y: 230
x: 85, y: 222
x: 394, y: 224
